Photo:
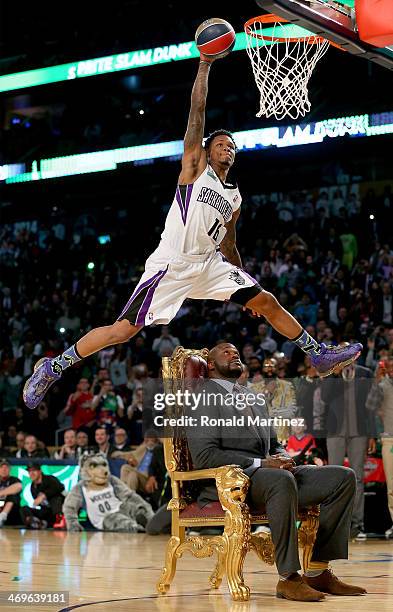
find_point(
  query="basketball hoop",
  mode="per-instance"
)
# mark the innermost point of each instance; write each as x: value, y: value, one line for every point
x: 283, y: 57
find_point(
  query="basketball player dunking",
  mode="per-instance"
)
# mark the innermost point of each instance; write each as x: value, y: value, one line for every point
x: 196, y: 258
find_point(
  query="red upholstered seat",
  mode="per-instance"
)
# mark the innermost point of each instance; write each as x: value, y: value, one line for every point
x: 209, y: 510
x: 214, y: 509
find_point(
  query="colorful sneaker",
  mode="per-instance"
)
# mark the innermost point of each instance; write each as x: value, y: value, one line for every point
x: 332, y: 359
x: 39, y: 382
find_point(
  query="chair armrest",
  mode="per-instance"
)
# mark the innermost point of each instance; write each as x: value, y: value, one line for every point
x: 202, y: 474
x: 231, y: 482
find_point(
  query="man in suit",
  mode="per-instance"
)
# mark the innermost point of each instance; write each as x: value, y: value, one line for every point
x: 135, y: 472
x: 350, y: 429
x: 276, y: 483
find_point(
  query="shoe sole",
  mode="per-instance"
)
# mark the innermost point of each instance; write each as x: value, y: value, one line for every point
x: 37, y: 365
x: 280, y: 596
x: 339, y: 366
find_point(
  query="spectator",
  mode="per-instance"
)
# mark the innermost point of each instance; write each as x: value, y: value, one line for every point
x: 20, y: 443
x: 25, y: 362
x: 266, y: 344
x: 350, y: 429
x: 247, y: 352
x: 42, y: 424
x: 102, y: 374
x: 120, y: 437
x: 79, y: 406
x: 385, y: 304
x: 31, y: 449
x: 380, y: 402
x: 300, y: 442
x: 4, y: 452
x: 165, y: 344
x: 10, y: 385
x: 119, y: 367
x: 133, y: 422
x: 305, y: 311
x: 10, y: 488
x: 330, y: 264
x: 10, y: 437
x: 136, y: 473
x: 280, y: 396
x: 68, y: 450
x: 158, y: 487
x: 255, y: 368
x: 108, y: 405
x: 69, y: 321
x: 82, y: 443
x: 102, y: 440
x: 48, y: 499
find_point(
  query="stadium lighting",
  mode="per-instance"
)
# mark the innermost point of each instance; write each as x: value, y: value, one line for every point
x: 280, y: 136
x: 372, y: 217
x: 62, y: 330
x: 91, y: 265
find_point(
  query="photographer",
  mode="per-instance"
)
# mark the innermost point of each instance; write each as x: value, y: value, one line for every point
x: 48, y: 499
x: 108, y: 406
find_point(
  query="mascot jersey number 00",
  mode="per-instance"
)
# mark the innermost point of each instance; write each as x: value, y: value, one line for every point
x: 109, y: 503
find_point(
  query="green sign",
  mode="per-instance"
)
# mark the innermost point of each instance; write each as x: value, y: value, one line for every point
x: 67, y: 474
x: 116, y: 63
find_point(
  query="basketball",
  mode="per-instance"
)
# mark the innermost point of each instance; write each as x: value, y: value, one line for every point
x: 215, y: 37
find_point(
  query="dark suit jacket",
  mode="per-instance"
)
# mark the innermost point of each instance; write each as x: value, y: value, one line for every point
x: 332, y: 393
x: 217, y: 445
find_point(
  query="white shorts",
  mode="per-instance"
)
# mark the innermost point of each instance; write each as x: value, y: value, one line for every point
x: 169, y: 278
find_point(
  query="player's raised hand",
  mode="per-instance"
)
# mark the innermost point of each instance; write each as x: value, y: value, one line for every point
x: 207, y: 58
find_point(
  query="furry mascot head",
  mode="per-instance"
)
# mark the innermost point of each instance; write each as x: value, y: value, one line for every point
x: 94, y: 470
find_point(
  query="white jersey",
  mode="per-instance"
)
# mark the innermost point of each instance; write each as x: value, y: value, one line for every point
x: 99, y: 504
x: 199, y: 211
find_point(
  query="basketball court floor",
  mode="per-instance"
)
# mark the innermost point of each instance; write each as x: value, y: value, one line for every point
x: 118, y: 572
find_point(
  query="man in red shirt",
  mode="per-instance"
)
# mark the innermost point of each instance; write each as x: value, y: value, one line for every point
x: 299, y: 440
x: 79, y: 406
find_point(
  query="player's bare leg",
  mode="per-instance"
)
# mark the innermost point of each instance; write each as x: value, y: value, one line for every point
x: 47, y: 371
x: 101, y: 337
x: 326, y: 359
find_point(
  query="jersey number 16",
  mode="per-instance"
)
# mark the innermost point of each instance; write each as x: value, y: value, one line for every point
x: 215, y: 229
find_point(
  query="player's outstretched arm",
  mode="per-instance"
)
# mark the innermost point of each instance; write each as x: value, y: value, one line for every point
x: 194, y: 156
x: 228, y: 245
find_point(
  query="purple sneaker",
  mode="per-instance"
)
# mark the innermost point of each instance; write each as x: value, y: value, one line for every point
x: 39, y: 382
x: 332, y: 359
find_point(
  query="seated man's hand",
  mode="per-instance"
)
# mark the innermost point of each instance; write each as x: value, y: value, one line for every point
x: 41, y: 497
x: 372, y: 446
x: 279, y: 462
x: 132, y: 461
x: 151, y: 485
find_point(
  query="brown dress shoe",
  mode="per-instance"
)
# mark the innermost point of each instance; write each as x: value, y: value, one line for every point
x: 296, y: 589
x: 327, y: 582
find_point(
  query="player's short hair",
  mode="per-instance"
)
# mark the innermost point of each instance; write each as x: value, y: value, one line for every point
x: 213, y: 135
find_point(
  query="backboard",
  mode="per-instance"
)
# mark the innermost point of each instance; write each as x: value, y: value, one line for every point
x: 330, y: 19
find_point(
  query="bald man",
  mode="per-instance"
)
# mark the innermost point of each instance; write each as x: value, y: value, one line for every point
x: 276, y: 483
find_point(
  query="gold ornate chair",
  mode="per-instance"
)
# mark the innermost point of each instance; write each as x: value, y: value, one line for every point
x: 231, y: 511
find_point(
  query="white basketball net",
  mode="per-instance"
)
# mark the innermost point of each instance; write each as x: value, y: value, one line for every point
x: 282, y: 68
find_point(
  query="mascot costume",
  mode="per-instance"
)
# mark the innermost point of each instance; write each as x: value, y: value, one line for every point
x: 109, y: 503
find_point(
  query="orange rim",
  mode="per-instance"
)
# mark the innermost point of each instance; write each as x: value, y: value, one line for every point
x: 271, y: 18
